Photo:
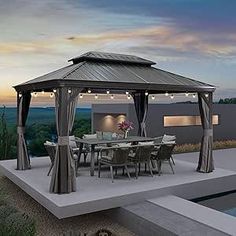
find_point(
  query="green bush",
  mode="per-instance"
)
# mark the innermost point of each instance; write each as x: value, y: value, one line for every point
x: 18, y: 224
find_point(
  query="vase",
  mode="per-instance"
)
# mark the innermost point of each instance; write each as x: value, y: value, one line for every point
x: 126, y: 134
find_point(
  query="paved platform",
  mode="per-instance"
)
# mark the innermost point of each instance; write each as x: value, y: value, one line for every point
x: 95, y: 194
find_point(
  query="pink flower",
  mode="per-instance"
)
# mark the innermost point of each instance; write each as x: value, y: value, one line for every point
x: 125, y: 125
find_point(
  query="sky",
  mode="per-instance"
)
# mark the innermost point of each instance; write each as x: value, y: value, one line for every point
x: 194, y: 38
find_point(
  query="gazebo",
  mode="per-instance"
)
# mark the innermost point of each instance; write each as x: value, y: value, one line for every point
x: 99, y: 72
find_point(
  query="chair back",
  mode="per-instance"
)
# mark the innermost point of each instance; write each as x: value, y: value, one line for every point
x: 143, y: 152
x: 165, y: 151
x: 119, y: 155
x: 51, y: 150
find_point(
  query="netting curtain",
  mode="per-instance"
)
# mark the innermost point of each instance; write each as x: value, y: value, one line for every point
x: 23, y: 104
x: 205, y: 163
x: 141, y: 108
x: 63, y: 178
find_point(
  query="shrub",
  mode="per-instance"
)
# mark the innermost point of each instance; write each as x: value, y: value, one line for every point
x: 3, y: 197
x: 18, y: 224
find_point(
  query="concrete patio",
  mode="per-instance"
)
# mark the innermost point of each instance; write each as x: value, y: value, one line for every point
x: 95, y: 194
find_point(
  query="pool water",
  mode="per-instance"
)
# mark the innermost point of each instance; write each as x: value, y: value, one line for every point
x: 223, y: 202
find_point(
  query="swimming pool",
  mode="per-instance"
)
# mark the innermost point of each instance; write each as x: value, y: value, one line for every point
x: 224, y: 202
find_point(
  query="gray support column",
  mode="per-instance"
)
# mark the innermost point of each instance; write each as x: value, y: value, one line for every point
x: 63, y: 178
x: 205, y: 163
x: 141, y: 108
x: 23, y: 103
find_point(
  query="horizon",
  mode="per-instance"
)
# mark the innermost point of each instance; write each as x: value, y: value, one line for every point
x: 193, y: 38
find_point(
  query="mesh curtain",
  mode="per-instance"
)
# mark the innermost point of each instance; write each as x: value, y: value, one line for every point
x: 23, y: 104
x: 63, y: 178
x: 205, y: 163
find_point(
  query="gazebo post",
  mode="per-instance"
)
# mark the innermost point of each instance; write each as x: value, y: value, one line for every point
x: 23, y: 103
x: 141, y: 108
x: 205, y: 163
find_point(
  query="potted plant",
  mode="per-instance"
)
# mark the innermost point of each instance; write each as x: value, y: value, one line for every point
x: 125, y: 127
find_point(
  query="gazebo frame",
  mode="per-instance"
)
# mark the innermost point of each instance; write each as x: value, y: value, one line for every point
x: 100, y: 72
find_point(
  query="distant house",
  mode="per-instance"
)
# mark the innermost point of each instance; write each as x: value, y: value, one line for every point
x: 183, y: 120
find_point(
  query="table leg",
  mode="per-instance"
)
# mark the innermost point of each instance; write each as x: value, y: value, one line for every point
x: 92, y: 160
x: 81, y: 145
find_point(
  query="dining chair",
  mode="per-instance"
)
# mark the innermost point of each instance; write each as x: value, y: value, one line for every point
x: 114, y: 157
x: 164, y: 154
x: 141, y: 154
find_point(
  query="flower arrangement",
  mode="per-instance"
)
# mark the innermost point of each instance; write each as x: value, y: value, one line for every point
x: 125, y: 126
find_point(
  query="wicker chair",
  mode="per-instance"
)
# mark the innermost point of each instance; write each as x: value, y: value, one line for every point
x: 51, y: 150
x: 141, y: 154
x: 114, y: 157
x: 163, y: 154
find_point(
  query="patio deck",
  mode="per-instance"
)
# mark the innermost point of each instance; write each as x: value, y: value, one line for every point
x: 95, y: 194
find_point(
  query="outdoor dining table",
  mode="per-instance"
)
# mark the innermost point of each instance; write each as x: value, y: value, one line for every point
x: 93, y: 142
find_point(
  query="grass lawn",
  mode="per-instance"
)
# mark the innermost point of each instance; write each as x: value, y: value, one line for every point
x: 48, y: 224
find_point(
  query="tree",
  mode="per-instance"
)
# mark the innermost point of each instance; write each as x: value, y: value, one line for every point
x: 7, y: 138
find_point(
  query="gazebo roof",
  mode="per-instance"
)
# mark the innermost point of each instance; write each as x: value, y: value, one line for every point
x: 100, y: 71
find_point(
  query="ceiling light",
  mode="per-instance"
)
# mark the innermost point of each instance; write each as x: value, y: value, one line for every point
x: 186, y: 94
x: 35, y: 94
x: 96, y: 96
x: 112, y: 96
x: 129, y: 97
x: 146, y: 93
x: 172, y: 96
x: 42, y: 92
x: 166, y: 94
x: 108, y: 91
x: 89, y: 91
x: 81, y: 95
x: 194, y: 95
x: 153, y: 97
x: 206, y: 95
x: 69, y: 91
x: 20, y: 95
x: 54, y: 90
x: 51, y: 95
x: 127, y: 92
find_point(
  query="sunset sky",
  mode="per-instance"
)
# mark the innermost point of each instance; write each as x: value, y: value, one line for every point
x: 195, y: 38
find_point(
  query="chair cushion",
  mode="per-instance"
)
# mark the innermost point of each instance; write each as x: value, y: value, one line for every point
x: 146, y: 143
x: 49, y: 143
x: 90, y: 136
x: 72, y: 142
x: 123, y: 144
x: 168, y: 138
x: 107, y: 135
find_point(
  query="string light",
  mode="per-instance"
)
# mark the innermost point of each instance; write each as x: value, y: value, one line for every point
x: 172, y: 96
x: 112, y: 96
x: 108, y: 91
x: 81, y: 95
x: 153, y: 97
x: 166, y: 94
x: 69, y: 91
x: 146, y: 93
x: 89, y: 91
x: 54, y: 90
x: 51, y: 95
x: 96, y: 96
x: 42, y: 92
x: 194, y: 95
x: 127, y: 92
x: 129, y: 97
x: 186, y: 94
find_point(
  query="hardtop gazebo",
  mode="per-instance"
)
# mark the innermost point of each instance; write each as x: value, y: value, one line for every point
x: 99, y: 72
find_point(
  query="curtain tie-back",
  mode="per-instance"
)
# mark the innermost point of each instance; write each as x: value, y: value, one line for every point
x: 63, y: 140
x: 208, y: 132
x: 20, y: 129
x: 143, y: 125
